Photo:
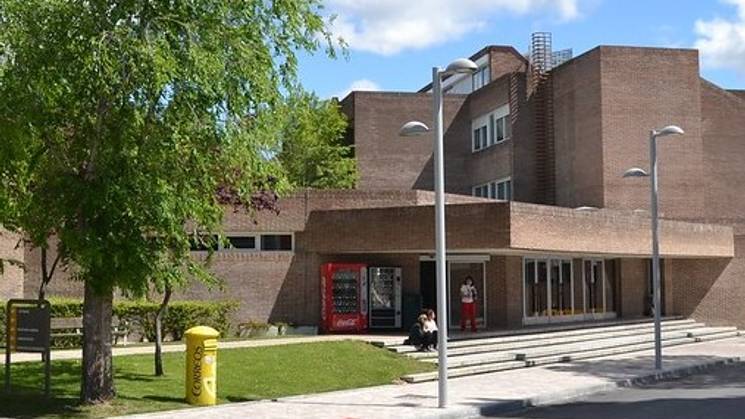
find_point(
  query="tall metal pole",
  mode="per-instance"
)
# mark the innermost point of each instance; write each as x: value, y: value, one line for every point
x: 655, y: 254
x: 442, y: 334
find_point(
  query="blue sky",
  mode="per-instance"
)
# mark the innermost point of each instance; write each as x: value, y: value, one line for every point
x: 394, y: 43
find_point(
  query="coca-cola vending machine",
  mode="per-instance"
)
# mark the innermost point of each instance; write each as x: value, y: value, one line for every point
x: 344, y: 297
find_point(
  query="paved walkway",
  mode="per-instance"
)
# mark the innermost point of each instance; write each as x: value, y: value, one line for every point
x: 487, y: 394
x: 180, y: 347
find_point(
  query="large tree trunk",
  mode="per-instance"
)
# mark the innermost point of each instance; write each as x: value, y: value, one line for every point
x: 97, y: 385
x: 159, y: 332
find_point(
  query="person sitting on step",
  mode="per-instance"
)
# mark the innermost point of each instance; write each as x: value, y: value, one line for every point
x: 430, y: 329
x: 416, y: 335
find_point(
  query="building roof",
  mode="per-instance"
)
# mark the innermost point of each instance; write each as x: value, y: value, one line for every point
x: 501, y: 227
x: 481, y: 53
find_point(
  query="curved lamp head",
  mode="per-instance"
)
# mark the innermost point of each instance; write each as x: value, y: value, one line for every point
x: 669, y: 130
x: 635, y: 172
x: 413, y: 129
x: 461, y: 65
x: 586, y: 208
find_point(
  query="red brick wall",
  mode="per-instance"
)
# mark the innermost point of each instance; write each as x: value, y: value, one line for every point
x: 578, y: 132
x: 644, y: 89
x: 633, y: 286
x: 386, y: 160
x: 505, y: 60
x: 494, y: 162
x: 712, y: 290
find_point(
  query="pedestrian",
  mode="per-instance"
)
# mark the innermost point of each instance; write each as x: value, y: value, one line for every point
x: 416, y: 334
x: 430, y: 329
x: 468, y: 298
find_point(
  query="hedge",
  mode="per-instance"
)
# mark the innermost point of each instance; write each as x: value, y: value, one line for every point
x: 140, y: 316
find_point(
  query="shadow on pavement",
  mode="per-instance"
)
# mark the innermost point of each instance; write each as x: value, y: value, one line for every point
x: 708, y: 408
x: 621, y: 369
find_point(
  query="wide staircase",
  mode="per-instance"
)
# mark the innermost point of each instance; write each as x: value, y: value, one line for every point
x: 481, y: 355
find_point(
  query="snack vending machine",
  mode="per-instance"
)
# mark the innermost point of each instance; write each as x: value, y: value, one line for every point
x: 344, y: 301
x: 385, y: 297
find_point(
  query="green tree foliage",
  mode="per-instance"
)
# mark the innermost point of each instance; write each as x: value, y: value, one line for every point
x: 313, y: 152
x: 121, y: 119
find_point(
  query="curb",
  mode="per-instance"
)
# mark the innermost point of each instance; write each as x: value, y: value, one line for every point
x: 512, y: 406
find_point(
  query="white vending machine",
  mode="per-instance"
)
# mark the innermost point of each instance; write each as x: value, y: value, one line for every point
x: 384, y: 284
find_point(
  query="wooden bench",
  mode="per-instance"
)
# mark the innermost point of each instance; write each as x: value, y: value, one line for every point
x: 62, y: 327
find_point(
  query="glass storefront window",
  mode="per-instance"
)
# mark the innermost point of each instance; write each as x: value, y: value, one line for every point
x: 548, y: 288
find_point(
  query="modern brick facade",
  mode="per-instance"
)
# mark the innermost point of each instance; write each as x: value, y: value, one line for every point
x: 572, y: 133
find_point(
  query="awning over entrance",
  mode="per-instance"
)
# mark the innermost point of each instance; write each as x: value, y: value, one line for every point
x: 512, y: 227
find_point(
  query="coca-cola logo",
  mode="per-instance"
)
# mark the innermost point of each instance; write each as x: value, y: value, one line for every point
x: 345, y: 323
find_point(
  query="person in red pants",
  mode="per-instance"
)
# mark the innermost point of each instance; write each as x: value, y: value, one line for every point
x: 468, y: 298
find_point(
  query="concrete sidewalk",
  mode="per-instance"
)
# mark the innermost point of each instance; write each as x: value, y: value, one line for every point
x: 180, y: 347
x: 482, y: 394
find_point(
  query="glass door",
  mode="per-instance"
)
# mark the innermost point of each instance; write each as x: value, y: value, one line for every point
x: 548, y: 290
x: 599, y: 288
x: 457, y: 274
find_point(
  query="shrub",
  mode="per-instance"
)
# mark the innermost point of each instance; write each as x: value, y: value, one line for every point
x: 140, y: 316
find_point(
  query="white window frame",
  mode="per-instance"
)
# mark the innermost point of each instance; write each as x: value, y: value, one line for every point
x: 481, y: 77
x: 494, y: 186
x: 490, y: 121
x: 268, y: 233
x: 257, y: 242
x: 550, y: 317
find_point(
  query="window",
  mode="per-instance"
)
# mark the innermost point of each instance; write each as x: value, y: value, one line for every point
x: 492, y: 128
x: 242, y: 242
x: 276, y: 242
x: 499, y: 189
x: 481, y: 77
x: 203, y: 243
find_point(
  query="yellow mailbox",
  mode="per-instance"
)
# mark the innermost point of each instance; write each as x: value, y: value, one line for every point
x: 201, y: 365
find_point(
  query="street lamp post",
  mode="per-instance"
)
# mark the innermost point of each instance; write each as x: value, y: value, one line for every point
x: 463, y: 66
x: 637, y: 172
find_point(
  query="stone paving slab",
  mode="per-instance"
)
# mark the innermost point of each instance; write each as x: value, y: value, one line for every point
x: 482, y: 394
x: 180, y: 347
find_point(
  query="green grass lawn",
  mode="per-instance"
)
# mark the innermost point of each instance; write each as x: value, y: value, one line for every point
x: 243, y: 375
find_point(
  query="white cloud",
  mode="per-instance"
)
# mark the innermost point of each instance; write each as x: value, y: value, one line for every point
x: 722, y: 41
x: 391, y: 26
x: 358, y: 85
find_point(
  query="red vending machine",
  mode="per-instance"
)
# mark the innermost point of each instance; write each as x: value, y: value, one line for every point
x: 343, y: 297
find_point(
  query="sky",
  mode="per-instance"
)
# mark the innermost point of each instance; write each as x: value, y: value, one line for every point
x: 393, y: 44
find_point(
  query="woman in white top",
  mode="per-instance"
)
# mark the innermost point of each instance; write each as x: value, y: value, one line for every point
x: 468, y: 297
x: 430, y: 329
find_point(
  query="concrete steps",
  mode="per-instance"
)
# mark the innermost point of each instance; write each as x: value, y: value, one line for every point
x: 492, y: 354
x: 543, y: 336
x: 538, y: 341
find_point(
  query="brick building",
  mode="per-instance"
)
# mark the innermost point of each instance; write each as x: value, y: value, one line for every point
x: 526, y: 147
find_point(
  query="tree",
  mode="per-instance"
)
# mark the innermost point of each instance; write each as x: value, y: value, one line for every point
x: 313, y: 151
x: 126, y: 125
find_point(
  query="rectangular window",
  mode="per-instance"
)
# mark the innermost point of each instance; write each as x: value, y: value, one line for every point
x: 203, y: 243
x: 491, y: 128
x: 500, y: 130
x: 276, y: 242
x: 501, y: 190
x: 242, y: 242
x: 481, y: 77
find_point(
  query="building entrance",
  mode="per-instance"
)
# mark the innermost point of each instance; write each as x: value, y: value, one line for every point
x: 458, y: 268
